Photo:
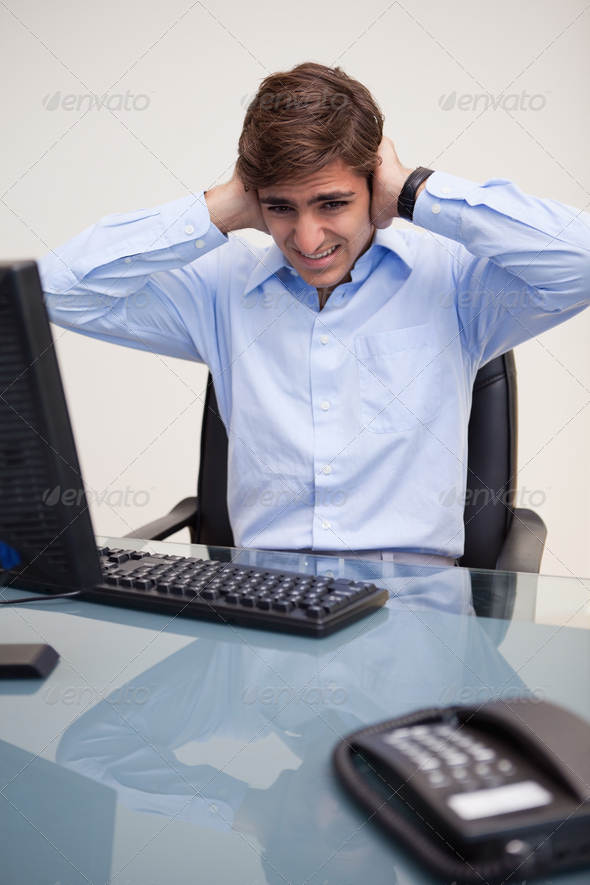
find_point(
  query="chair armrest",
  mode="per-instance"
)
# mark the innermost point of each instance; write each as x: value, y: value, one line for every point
x: 523, y: 546
x: 179, y: 517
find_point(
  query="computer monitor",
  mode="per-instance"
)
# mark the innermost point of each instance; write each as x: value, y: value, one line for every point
x: 46, y: 536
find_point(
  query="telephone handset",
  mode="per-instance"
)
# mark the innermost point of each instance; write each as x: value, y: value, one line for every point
x: 494, y: 793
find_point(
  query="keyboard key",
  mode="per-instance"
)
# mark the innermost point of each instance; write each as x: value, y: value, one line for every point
x: 456, y: 759
x: 434, y: 743
x: 400, y: 734
x: 444, y: 730
x: 419, y: 731
x: 210, y: 593
x: 430, y: 764
x: 144, y: 583
x: 506, y: 766
x: 315, y: 611
x: 437, y: 780
x: 331, y: 607
x: 407, y: 747
x: 119, y: 557
x: 487, y: 755
x: 283, y: 605
x: 233, y: 598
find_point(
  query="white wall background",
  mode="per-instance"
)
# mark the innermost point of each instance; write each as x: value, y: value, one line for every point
x: 137, y: 416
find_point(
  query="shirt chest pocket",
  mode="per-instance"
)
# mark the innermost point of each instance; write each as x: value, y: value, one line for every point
x: 399, y: 378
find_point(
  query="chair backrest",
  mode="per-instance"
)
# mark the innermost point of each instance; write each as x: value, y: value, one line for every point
x: 491, y: 462
x: 491, y: 467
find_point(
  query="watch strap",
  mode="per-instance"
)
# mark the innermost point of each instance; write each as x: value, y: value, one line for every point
x: 407, y: 197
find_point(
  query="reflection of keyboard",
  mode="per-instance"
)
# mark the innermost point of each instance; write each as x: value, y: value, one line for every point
x: 261, y: 598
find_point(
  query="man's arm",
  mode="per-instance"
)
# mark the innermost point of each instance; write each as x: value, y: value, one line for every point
x: 127, y: 278
x: 521, y: 264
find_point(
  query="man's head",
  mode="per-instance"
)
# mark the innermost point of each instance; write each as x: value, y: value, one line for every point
x: 309, y: 147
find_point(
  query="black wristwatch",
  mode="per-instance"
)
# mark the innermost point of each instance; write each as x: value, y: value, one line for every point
x: 407, y: 197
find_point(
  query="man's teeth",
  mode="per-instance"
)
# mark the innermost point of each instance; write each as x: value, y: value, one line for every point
x: 320, y: 254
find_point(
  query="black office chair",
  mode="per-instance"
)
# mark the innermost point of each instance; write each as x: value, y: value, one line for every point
x: 497, y: 536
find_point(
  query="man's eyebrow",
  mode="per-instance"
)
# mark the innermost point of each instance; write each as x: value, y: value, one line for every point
x: 331, y: 197
x: 276, y: 201
x: 320, y: 198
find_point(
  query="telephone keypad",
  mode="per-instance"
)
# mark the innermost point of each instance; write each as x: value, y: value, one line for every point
x: 448, y: 757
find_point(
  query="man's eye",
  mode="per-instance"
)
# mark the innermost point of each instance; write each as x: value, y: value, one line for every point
x: 279, y: 210
x: 335, y: 204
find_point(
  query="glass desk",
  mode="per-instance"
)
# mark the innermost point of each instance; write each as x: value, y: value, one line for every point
x: 171, y: 751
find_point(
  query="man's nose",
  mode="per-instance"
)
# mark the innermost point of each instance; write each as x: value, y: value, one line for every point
x: 309, y: 237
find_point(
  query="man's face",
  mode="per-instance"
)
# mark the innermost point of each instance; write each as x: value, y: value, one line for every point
x: 326, y: 212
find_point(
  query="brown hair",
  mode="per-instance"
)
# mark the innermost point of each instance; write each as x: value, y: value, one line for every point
x: 305, y: 118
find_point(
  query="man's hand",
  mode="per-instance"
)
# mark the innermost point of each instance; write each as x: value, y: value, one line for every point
x: 232, y: 207
x: 388, y: 180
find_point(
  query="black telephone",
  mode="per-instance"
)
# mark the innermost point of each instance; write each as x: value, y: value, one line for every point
x: 496, y: 793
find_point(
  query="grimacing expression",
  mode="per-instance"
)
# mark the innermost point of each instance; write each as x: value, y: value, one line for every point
x: 320, y: 222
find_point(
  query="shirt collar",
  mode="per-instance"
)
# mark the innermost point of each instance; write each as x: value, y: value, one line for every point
x: 273, y: 259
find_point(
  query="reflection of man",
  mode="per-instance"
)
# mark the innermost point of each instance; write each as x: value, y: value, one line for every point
x: 344, y: 354
x: 202, y: 696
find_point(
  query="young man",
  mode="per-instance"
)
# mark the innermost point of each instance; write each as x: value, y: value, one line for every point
x: 344, y: 354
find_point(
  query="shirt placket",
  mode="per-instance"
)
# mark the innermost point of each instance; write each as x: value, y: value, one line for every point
x: 325, y: 402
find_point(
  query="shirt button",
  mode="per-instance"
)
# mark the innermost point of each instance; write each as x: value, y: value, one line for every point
x: 327, y: 469
x: 326, y: 525
x: 436, y: 208
x: 324, y: 339
x: 199, y: 244
x: 293, y: 272
x: 189, y: 229
x: 325, y: 405
x: 127, y: 261
x: 445, y: 190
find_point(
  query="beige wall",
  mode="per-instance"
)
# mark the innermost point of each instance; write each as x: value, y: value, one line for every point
x: 137, y: 416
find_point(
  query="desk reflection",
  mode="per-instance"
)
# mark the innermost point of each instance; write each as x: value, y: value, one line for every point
x: 429, y: 648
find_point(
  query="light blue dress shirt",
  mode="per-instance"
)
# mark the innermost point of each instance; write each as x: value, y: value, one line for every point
x: 348, y: 426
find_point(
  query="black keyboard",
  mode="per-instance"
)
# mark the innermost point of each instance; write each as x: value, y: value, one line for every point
x: 223, y: 591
